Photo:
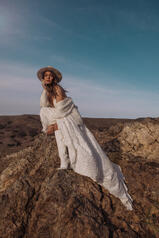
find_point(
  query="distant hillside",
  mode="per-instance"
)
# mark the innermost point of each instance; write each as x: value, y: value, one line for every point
x: 17, y: 132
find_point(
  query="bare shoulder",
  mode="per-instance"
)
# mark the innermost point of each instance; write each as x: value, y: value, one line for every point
x: 60, y: 93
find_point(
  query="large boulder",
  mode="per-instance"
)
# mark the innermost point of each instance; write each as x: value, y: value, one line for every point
x: 140, y: 139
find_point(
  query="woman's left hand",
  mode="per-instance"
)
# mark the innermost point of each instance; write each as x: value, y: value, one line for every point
x: 52, y: 128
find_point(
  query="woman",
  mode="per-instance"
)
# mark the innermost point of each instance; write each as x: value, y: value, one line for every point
x: 77, y: 146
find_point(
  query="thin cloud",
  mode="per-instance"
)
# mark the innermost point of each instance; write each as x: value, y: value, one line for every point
x: 98, y: 101
x: 93, y: 100
x: 66, y: 61
x: 112, y: 18
x: 15, y: 27
x: 18, y: 78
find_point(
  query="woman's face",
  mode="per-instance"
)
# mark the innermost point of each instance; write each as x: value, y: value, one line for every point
x: 48, y: 77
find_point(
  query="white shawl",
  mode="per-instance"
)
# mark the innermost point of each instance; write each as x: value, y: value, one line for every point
x: 62, y: 109
x: 86, y: 156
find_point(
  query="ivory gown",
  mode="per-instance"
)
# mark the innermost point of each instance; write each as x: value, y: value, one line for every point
x: 85, y: 155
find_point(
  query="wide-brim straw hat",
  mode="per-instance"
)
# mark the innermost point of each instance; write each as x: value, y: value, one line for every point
x: 41, y: 71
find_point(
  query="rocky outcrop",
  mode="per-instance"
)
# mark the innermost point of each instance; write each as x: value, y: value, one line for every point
x: 38, y: 200
x: 140, y: 139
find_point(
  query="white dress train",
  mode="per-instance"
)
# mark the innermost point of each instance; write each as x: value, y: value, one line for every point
x: 85, y: 155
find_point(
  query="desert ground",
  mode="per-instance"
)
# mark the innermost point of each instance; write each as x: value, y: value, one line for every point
x: 37, y: 200
x: 17, y: 132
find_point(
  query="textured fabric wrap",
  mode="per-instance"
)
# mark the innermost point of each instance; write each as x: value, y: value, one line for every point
x: 85, y: 154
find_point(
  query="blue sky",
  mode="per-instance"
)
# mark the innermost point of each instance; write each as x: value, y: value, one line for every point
x: 107, y: 51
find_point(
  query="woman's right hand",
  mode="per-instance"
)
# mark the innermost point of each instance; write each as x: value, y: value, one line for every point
x: 43, y: 84
x: 47, y: 87
x: 52, y: 128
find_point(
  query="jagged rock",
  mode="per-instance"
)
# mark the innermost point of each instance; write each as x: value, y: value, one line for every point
x: 39, y: 201
x: 140, y: 139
